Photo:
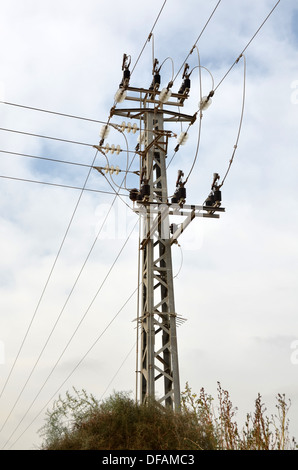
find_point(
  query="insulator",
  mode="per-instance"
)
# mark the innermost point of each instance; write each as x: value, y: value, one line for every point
x: 187, y: 83
x: 111, y: 169
x: 182, y: 138
x: 217, y: 195
x: 145, y: 190
x: 117, y: 169
x: 165, y: 95
x: 179, y: 195
x: 156, y: 79
x: 182, y: 193
x: 215, y: 178
x: 107, y: 148
x: 123, y: 126
x: 155, y: 82
x: 107, y: 169
x: 112, y: 149
x: 118, y: 149
x: 104, y: 131
x: 185, y: 87
x: 120, y: 95
x: 128, y: 127
x: 126, y: 77
x: 133, y: 194
x: 210, y: 201
x: 205, y: 103
x: 134, y: 128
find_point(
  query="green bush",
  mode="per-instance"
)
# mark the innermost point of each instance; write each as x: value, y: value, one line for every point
x: 81, y: 422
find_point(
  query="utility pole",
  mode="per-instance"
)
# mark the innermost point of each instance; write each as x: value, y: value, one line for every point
x: 157, y: 320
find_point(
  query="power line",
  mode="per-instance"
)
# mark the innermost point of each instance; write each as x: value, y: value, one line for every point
x: 70, y: 374
x: 52, y: 112
x: 74, y: 142
x: 240, y: 125
x: 199, y: 37
x: 201, y: 116
x: 49, y: 277
x: 54, y: 160
x: 66, y: 302
x: 213, y: 91
x: 58, y: 185
x: 72, y: 336
x: 114, y: 125
x: 150, y: 35
x: 46, y: 137
x: 117, y: 372
x: 117, y: 194
x: 247, y: 45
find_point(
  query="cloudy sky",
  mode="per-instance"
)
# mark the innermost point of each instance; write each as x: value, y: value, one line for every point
x: 69, y: 257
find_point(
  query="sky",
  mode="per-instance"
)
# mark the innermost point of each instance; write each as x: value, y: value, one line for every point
x: 68, y: 269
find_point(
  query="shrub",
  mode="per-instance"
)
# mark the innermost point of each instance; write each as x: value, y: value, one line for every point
x: 80, y: 422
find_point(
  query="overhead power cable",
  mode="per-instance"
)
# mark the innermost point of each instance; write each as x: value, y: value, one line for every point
x: 49, y: 277
x: 150, y: 35
x: 199, y: 37
x: 240, y: 125
x: 84, y: 356
x: 247, y: 45
x: 54, y: 160
x: 52, y: 112
x: 46, y: 137
x: 117, y: 372
x: 48, y: 159
x: 66, y: 302
x: 25, y: 180
x: 200, y: 122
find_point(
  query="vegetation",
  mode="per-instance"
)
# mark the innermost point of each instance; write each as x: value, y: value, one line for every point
x: 80, y: 422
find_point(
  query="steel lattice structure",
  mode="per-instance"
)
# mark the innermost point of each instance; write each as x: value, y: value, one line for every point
x: 157, y: 321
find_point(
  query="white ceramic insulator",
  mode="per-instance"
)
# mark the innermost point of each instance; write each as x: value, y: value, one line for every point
x: 118, y: 149
x: 205, y: 103
x: 104, y: 131
x: 128, y: 127
x: 182, y: 138
x: 120, y: 95
x: 165, y: 95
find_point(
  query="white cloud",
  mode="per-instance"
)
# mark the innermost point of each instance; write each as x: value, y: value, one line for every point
x: 237, y: 283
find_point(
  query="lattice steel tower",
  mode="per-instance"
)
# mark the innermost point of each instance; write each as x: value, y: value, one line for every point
x: 157, y: 320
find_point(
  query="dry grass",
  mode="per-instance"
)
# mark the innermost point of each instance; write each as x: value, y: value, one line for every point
x: 259, y: 432
x: 80, y: 422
